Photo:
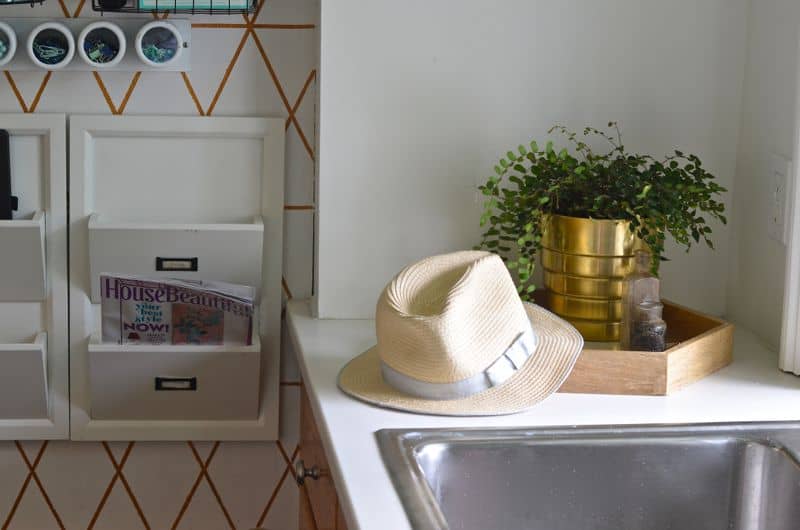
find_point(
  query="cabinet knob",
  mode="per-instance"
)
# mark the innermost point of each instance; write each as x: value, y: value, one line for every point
x: 301, y: 473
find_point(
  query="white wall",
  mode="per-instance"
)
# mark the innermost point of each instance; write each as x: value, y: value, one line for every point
x: 419, y: 97
x: 767, y: 127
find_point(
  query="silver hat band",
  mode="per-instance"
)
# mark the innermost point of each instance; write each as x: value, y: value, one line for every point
x: 500, y: 371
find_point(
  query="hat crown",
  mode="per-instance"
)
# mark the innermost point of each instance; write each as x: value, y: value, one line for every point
x: 447, y: 318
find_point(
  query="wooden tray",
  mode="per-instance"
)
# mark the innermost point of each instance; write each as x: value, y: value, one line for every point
x: 702, y: 345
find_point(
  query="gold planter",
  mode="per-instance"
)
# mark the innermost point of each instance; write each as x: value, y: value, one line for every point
x: 583, y: 286
x: 582, y: 266
x: 597, y: 309
x: 585, y: 261
x: 589, y: 237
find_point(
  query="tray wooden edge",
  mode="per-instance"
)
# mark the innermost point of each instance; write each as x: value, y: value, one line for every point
x: 621, y: 372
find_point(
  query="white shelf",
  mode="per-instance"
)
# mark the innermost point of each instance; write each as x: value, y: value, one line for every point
x: 223, y: 252
x: 22, y: 245
x: 174, y: 382
x: 23, y: 380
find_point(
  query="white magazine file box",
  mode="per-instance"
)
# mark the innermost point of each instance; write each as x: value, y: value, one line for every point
x: 224, y: 252
x: 22, y: 245
x: 23, y: 380
x: 183, y: 382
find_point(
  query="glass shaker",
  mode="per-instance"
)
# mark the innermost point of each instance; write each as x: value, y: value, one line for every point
x: 637, y: 287
x: 648, y: 329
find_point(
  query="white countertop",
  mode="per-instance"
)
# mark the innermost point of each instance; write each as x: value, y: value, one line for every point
x: 750, y: 389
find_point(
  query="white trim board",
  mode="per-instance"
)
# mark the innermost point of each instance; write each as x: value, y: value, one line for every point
x: 789, y: 360
x: 52, y: 129
x: 85, y: 131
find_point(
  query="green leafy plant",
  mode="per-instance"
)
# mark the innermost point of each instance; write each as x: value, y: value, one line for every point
x: 657, y: 197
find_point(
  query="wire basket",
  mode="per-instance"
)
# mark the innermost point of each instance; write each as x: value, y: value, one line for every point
x: 20, y: 2
x: 188, y: 7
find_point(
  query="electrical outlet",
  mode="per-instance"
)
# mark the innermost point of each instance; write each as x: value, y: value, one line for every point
x: 780, y: 171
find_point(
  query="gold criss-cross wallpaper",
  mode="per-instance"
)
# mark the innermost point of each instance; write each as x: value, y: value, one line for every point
x: 258, y: 65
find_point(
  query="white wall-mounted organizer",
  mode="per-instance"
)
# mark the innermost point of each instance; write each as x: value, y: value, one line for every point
x: 77, y: 44
x: 205, y: 203
x: 34, y: 372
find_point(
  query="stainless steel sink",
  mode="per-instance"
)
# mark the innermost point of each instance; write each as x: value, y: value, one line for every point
x: 692, y: 477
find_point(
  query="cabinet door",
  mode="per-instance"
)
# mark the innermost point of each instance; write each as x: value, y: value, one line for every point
x: 319, y: 505
x: 341, y: 524
x: 307, y: 520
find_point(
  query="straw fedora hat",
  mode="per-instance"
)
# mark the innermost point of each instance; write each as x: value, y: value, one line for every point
x: 455, y: 339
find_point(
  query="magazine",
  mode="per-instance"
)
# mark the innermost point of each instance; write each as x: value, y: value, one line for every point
x: 138, y: 310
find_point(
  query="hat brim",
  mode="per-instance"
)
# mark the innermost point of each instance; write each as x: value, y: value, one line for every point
x: 559, y: 346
